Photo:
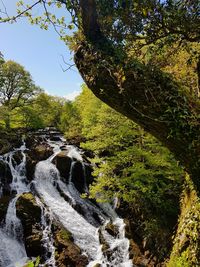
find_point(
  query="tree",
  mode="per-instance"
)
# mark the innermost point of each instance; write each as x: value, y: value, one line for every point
x: 49, y: 109
x: 108, y: 32
x: 16, y: 87
x: 135, y: 168
x: 70, y: 121
x: 142, y: 92
x: 146, y: 94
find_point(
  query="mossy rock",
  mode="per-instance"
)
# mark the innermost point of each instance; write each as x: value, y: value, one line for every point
x: 40, y: 152
x: 36, y: 153
x: 102, y: 241
x: 64, y: 237
x: 67, y: 253
x: 112, y: 229
x: 29, y: 213
x: 28, y: 209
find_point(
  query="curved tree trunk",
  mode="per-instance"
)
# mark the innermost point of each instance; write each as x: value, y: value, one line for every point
x: 146, y: 95
x: 186, y: 249
x: 155, y: 101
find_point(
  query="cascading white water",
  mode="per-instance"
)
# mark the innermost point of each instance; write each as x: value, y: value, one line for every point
x: 19, y: 183
x: 13, y: 226
x: 12, y: 253
x: 119, y: 245
x: 12, y: 250
x: 47, y: 239
x: 84, y: 228
x: 84, y: 232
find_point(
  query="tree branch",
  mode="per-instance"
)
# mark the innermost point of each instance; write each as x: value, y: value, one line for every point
x: 21, y: 13
x: 90, y: 23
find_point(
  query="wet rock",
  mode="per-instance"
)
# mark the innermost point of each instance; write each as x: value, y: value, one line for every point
x: 64, y: 148
x: 41, y: 152
x: 68, y: 254
x: 63, y: 164
x: 17, y: 157
x: 30, y: 215
x: 4, y: 202
x: 5, y: 177
x: 82, y: 176
x: 88, y: 175
x: 35, y: 154
x: 112, y: 229
x: 32, y: 140
x: 78, y: 177
x: 30, y: 167
x: 102, y: 241
x: 76, y: 141
x: 55, y: 138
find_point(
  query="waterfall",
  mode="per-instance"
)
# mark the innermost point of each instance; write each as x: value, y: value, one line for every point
x: 47, y: 238
x: 12, y: 250
x: 62, y: 202
x: 83, y: 232
x: 84, y: 228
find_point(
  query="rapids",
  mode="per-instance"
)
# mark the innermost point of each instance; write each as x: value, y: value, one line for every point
x: 85, y: 227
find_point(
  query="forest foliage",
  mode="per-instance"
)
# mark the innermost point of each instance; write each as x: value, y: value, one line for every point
x: 131, y: 166
x: 25, y: 105
x: 124, y: 47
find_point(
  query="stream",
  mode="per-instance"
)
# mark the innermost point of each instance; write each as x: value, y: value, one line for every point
x: 57, y: 201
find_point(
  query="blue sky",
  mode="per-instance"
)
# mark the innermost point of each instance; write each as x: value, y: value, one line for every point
x: 40, y: 52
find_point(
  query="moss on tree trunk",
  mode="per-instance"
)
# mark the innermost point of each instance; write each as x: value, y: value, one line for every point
x: 156, y: 102
x: 149, y: 97
x: 186, y: 249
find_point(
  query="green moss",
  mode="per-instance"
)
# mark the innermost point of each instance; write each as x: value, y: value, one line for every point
x: 34, y: 263
x: 65, y: 235
x: 186, y: 249
x: 181, y: 261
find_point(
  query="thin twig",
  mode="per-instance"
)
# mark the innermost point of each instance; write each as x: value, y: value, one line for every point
x: 70, y: 66
x: 21, y: 13
x: 5, y: 10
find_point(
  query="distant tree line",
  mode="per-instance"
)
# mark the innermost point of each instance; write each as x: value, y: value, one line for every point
x: 25, y: 105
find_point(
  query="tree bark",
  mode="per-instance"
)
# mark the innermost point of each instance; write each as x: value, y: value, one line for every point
x: 156, y: 102
x: 146, y: 95
x: 186, y: 249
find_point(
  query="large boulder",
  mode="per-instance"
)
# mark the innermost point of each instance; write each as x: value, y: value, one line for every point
x: 63, y: 164
x: 68, y: 254
x: 82, y: 176
x: 36, y: 153
x: 78, y: 177
x: 40, y: 152
x: 29, y: 213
